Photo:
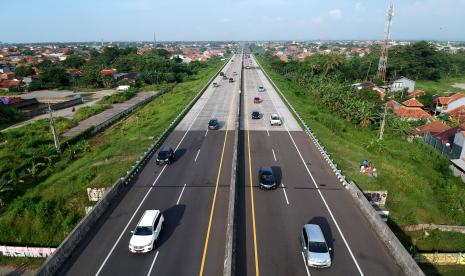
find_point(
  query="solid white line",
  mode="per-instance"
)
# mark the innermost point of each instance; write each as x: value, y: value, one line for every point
x: 305, y: 263
x: 197, y: 155
x: 153, y: 262
x: 182, y: 191
x: 143, y: 199
x: 285, y: 195
x: 321, y: 195
x: 206, y: 132
x: 274, y: 155
x: 267, y: 132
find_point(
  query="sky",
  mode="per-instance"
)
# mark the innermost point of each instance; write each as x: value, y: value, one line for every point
x: 195, y: 20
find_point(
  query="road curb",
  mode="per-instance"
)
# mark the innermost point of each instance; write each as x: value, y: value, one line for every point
x: 398, y: 252
x: 79, y: 233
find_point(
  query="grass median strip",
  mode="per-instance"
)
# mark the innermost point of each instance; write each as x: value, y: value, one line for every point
x: 50, y: 208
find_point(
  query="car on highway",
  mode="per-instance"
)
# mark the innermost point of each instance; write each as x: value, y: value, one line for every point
x: 256, y: 115
x: 231, y: 80
x: 147, y: 232
x: 275, y: 120
x: 257, y: 100
x: 213, y: 124
x: 266, y: 178
x: 225, y: 77
x: 234, y: 73
x: 247, y: 67
x: 221, y: 73
x: 215, y: 84
x: 315, y: 249
x: 165, y: 156
x: 261, y: 89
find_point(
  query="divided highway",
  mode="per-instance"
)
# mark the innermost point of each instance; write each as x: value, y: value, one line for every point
x: 269, y: 223
x: 192, y: 193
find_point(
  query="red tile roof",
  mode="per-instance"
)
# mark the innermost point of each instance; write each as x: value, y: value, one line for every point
x: 412, y: 112
x: 9, y: 83
x: 412, y: 103
x: 458, y: 112
x: 452, y: 97
x: 448, y: 136
x: 392, y: 103
x: 416, y: 93
x: 433, y: 128
x: 108, y: 72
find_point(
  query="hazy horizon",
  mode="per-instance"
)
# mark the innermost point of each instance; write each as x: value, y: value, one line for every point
x: 229, y: 20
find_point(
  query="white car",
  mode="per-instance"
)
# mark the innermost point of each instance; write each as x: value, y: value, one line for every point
x: 147, y: 232
x: 261, y: 89
x: 275, y: 120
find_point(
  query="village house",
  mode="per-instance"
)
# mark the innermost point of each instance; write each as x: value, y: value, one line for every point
x: 400, y: 84
x: 452, y: 105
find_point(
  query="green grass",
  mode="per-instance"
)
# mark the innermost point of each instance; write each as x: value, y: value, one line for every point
x: 442, y: 86
x: 52, y: 206
x: 438, y: 241
x: 21, y: 263
x: 89, y: 111
x: 443, y: 270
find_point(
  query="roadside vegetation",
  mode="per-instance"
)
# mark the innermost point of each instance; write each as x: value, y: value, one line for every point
x: 9, y: 116
x: 45, y: 193
x: 421, y: 187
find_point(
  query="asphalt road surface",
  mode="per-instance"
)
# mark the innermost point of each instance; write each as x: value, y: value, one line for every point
x: 192, y: 193
x: 269, y: 222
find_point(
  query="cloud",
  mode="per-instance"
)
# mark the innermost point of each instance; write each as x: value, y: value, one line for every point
x: 317, y: 20
x: 336, y: 13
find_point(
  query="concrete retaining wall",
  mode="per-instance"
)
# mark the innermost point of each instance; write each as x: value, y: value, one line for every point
x: 78, y: 235
x: 56, y: 106
x: 396, y: 249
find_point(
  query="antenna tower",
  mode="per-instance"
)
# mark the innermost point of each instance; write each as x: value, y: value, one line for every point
x: 385, y: 47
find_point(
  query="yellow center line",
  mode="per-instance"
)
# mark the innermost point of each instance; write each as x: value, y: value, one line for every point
x: 212, y: 211
x: 257, y: 271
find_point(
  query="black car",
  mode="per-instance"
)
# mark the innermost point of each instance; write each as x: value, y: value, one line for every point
x: 231, y: 80
x: 165, y: 156
x: 213, y: 124
x: 266, y: 178
x: 256, y: 115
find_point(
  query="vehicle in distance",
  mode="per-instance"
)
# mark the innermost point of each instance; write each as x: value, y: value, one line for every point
x: 266, y: 178
x: 146, y: 232
x: 275, y: 120
x: 261, y: 89
x: 225, y: 77
x: 247, y: 67
x: 231, y: 80
x: 215, y: 84
x: 165, y: 156
x: 257, y: 100
x: 221, y: 73
x: 256, y: 115
x: 314, y: 246
x: 213, y: 124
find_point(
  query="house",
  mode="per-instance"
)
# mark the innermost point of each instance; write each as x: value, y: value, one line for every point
x: 108, y: 72
x: 449, y: 103
x: 450, y: 142
x: 4, y: 68
x: 412, y: 113
x: 131, y: 76
x: 401, y: 83
x: 416, y: 93
x: 364, y: 85
x: 412, y: 103
x: 393, y: 104
x: 7, y: 83
x: 432, y: 128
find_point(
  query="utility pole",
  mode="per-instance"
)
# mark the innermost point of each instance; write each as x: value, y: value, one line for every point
x: 383, y: 123
x: 52, y: 127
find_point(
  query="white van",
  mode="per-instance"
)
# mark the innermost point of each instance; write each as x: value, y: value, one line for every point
x: 146, y: 232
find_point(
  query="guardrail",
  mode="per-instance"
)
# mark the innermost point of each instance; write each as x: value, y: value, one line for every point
x: 79, y: 233
x: 397, y: 250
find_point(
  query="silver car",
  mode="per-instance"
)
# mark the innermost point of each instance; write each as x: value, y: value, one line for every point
x: 315, y: 249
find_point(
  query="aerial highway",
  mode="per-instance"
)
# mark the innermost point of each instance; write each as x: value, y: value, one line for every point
x: 192, y: 193
x: 269, y: 222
